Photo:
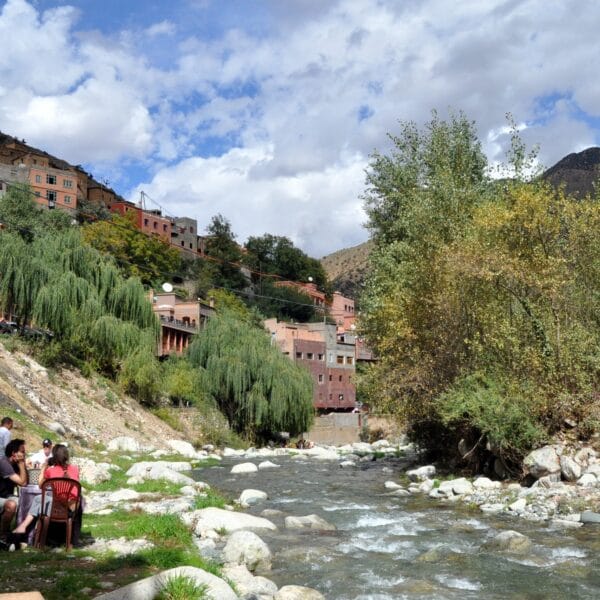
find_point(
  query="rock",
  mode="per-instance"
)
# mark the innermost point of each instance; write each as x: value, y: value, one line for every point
x: 434, y: 555
x: 149, y: 588
x: 518, y: 505
x: 169, y: 506
x: 246, y: 548
x: 593, y: 469
x: 569, y: 468
x: 362, y: 448
x: 587, y: 480
x: 484, y: 483
x: 267, y: 464
x: 246, y: 467
x: 380, y: 445
x: 298, y: 592
x: 392, y: 485
x: 124, y: 444
x: 588, y: 516
x: 492, y: 508
x: 57, y: 428
x: 91, y: 472
x: 120, y: 546
x: 459, y: 486
x: 347, y: 463
x: 421, y: 473
x: 250, y: 497
x: 271, y: 512
x: 310, y: 522
x: 509, y: 541
x: 585, y: 456
x: 183, y: 448
x: 248, y: 585
x: 543, y: 461
x: 230, y: 452
x: 169, y: 471
x: 426, y: 486
x: 216, y: 519
x: 188, y: 490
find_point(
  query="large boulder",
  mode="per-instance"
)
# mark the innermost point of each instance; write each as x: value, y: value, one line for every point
x: 458, y: 486
x: 149, y: 588
x: 543, y: 461
x: 124, y: 444
x: 169, y: 471
x: 421, y: 473
x: 298, y: 592
x: 249, y: 497
x: 246, y: 548
x: 183, y: 448
x: 509, y: 541
x: 247, y: 585
x: 570, y: 468
x: 308, y: 522
x: 246, y: 467
x: 214, y: 519
x: 92, y: 472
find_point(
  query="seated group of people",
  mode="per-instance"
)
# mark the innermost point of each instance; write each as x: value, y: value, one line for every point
x: 53, y: 461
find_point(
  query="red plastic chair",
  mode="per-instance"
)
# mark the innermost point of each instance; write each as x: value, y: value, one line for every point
x: 66, y: 503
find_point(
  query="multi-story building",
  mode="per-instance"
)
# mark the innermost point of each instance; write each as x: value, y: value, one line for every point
x: 12, y: 175
x: 328, y: 356
x: 184, y: 234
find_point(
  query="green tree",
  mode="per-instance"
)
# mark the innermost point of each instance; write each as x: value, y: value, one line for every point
x: 259, y: 390
x: 137, y: 254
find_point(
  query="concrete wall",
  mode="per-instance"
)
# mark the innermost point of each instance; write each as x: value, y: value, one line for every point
x: 336, y: 429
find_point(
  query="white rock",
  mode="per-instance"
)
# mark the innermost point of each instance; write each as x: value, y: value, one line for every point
x: 124, y: 444
x: 188, y: 490
x: 246, y: 548
x: 421, y: 473
x: 219, y: 519
x: 57, y: 428
x: 246, y: 467
x: 510, y: 541
x: 458, y: 486
x: 491, y: 508
x: 569, y: 468
x: 518, y: 505
x: 120, y: 546
x: 392, y: 485
x: 543, y: 461
x: 426, y: 486
x: 298, y: 592
x: 91, y: 472
x: 309, y: 522
x: 484, y: 483
x: 230, y: 452
x: 587, y: 480
x: 250, y: 497
x: 347, y: 464
x: 593, y: 469
x: 380, y: 445
x: 170, y: 506
x: 248, y: 585
x: 169, y: 471
x: 362, y: 448
x: 149, y: 588
x: 183, y: 448
x: 267, y: 464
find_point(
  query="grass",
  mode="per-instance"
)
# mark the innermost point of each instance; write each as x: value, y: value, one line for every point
x: 182, y: 588
x: 210, y: 498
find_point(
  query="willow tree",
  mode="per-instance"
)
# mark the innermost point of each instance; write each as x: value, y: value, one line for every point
x: 259, y: 390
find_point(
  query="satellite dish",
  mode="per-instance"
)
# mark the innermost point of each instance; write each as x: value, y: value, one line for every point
x: 167, y: 287
x: 310, y: 279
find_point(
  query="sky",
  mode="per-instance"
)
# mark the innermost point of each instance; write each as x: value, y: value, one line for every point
x: 267, y: 111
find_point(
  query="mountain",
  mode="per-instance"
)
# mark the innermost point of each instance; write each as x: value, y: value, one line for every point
x: 578, y: 172
x: 347, y: 268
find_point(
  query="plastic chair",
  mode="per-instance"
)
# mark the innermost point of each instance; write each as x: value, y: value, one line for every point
x: 66, y: 503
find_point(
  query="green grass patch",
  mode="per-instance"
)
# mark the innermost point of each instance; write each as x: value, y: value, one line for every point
x: 182, y: 588
x: 210, y: 498
x: 206, y: 463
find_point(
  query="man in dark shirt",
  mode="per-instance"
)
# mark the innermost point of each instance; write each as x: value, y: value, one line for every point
x: 12, y: 472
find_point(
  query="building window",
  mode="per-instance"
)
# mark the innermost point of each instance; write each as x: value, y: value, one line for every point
x: 309, y: 356
x: 191, y: 230
x: 330, y: 377
x: 38, y: 179
x: 298, y: 355
x: 321, y: 357
x: 51, y: 196
x: 68, y: 183
x: 164, y: 227
x: 349, y: 360
x: 340, y: 378
x: 145, y: 222
x: 191, y: 246
x: 155, y: 224
x: 182, y: 243
x: 331, y: 396
x: 67, y: 199
x: 51, y: 179
x: 320, y: 378
x: 340, y: 360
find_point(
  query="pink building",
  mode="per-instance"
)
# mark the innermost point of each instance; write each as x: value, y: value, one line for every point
x: 341, y: 310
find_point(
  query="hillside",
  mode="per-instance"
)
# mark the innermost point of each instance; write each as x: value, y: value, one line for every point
x: 347, y: 268
x: 578, y: 171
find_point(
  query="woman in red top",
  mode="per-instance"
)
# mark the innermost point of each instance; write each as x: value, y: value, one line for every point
x: 60, y: 468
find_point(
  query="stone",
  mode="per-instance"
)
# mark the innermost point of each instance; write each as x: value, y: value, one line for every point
x: 169, y: 471
x: 570, y: 469
x: 460, y: 486
x: 588, y: 516
x: 392, y: 485
x: 219, y: 519
x: 168, y: 506
x: 91, y: 472
x: 250, y: 497
x: 543, y: 461
x: 267, y: 464
x: 435, y: 554
x: 345, y: 464
x: 149, y: 588
x: 183, y: 448
x: 246, y: 548
x: 230, y: 452
x: 421, y: 473
x: 426, y: 486
x: 124, y: 444
x: 509, y: 541
x: 380, y: 445
x: 246, y: 467
x: 247, y: 585
x: 485, y: 483
x: 362, y: 448
x: 298, y: 592
x: 587, y: 480
x: 518, y: 505
x: 309, y: 522
x: 120, y: 546
x: 57, y: 427
x: 593, y: 469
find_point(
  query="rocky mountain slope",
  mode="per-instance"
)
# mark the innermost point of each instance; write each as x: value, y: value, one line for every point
x: 347, y: 268
x: 578, y: 171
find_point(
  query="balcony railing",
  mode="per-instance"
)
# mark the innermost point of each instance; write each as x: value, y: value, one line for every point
x: 172, y: 322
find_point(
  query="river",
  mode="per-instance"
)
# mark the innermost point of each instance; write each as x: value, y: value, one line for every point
x: 378, y: 550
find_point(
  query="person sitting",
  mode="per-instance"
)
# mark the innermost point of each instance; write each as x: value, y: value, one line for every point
x: 40, y: 458
x: 60, y: 467
x: 5, y: 426
x: 12, y: 473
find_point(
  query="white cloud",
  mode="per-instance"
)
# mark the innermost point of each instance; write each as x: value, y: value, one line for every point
x: 306, y: 94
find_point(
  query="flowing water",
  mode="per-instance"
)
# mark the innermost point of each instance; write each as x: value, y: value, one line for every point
x: 378, y: 550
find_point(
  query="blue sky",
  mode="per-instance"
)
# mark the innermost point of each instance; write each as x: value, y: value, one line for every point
x: 266, y: 111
